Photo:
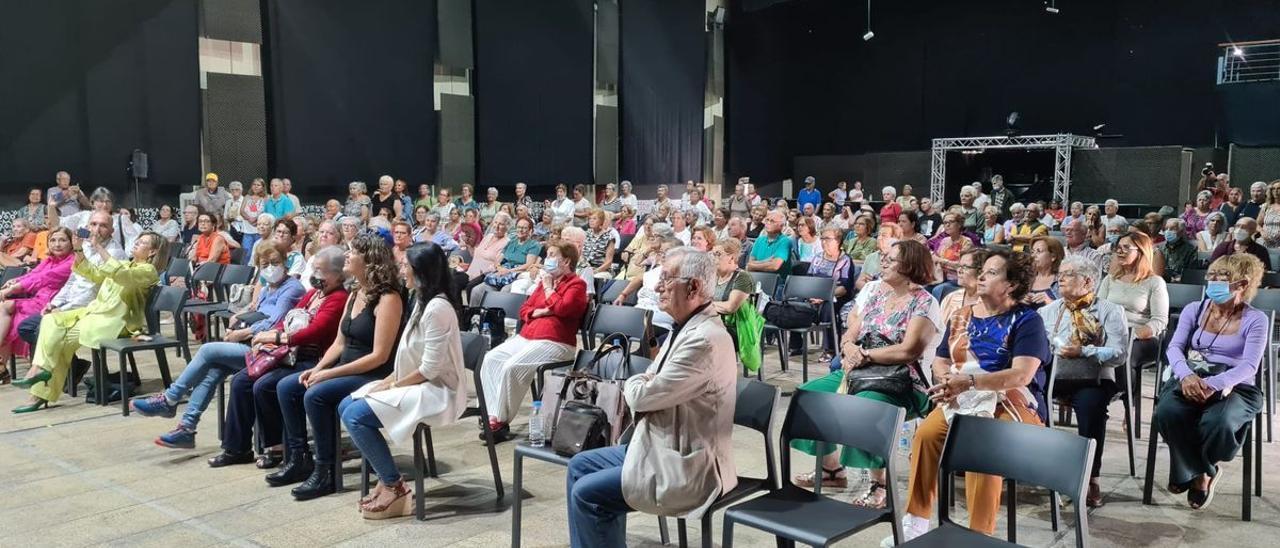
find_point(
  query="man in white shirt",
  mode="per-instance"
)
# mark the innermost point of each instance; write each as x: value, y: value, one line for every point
x: 1111, y: 214
x: 694, y: 204
x: 562, y: 208
x: 79, y: 291
x: 982, y: 200
x: 124, y: 230
x: 288, y: 191
x: 68, y: 199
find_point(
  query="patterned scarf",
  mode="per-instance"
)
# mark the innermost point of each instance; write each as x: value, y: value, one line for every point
x: 1086, y: 329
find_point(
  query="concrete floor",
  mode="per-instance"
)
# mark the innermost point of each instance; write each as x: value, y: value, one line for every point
x: 81, y: 475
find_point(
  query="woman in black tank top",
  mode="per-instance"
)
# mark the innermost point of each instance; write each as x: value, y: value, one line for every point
x: 363, y: 351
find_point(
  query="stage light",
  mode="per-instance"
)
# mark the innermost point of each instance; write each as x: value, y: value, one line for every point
x: 1236, y: 51
x: 1051, y: 6
x: 1011, y: 124
x: 869, y: 35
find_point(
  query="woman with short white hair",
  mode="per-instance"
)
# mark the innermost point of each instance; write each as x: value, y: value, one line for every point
x: 890, y: 210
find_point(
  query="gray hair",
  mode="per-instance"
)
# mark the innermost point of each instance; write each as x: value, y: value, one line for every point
x: 386, y: 179
x: 1111, y: 203
x: 351, y: 220
x: 101, y: 194
x: 1204, y: 194
x: 271, y: 219
x: 968, y: 190
x: 1258, y: 185
x: 1017, y: 207
x: 491, y: 190
x: 235, y: 185
x: 625, y: 185
x: 889, y: 190
x: 433, y: 216
x: 1181, y: 225
x: 662, y: 230
x: 360, y: 187
x: 695, y: 265
x: 330, y: 258
x: 1084, y: 267
x: 501, y: 216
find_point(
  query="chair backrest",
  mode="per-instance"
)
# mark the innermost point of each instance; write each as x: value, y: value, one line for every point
x: 1271, y: 279
x: 615, y: 289
x: 630, y: 321
x: 1193, y: 276
x: 809, y: 287
x: 11, y: 273
x: 815, y: 416
x: 1182, y: 294
x: 179, y: 266
x: 767, y: 281
x: 510, y: 303
x: 1274, y: 255
x: 236, y: 274
x: 1267, y: 300
x: 1053, y: 459
x: 607, y: 368
x: 166, y: 298
x: 473, y: 349
x: 800, y: 268
x: 237, y: 256
x: 754, y: 409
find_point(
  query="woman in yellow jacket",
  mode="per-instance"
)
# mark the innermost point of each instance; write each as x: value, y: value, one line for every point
x: 119, y: 309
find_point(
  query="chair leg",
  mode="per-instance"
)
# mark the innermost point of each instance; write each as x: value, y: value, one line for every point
x: 706, y: 530
x: 1130, y: 428
x: 1246, y: 500
x: 419, y: 472
x: 222, y: 408
x: 664, y: 535
x: 488, y: 435
x: 431, y: 452
x: 1257, y: 459
x: 1152, y: 437
x: 804, y: 357
x: 783, y: 348
x: 364, y: 477
x: 517, y: 471
x: 727, y: 536
x: 337, y: 452
x: 163, y: 361
x: 1136, y: 400
x: 124, y: 386
x: 683, y: 533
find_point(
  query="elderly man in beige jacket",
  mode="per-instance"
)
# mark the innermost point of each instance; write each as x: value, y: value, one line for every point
x: 681, y: 457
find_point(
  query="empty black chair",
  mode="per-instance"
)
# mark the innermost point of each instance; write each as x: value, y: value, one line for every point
x: 473, y: 349
x: 753, y: 409
x: 207, y: 274
x: 613, y: 291
x: 607, y: 368
x: 232, y: 274
x: 630, y: 321
x: 767, y: 282
x: 793, y: 514
x: 162, y: 299
x: 1193, y: 276
x: 510, y: 303
x: 805, y: 288
x: 11, y: 273
x: 1045, y: 457
x: 179, y: 267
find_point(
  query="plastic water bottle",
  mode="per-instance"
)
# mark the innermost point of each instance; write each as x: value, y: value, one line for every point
x: 536, y: 436
x: 905, y: 436
x: 475, y: 323
x: 488, y: 336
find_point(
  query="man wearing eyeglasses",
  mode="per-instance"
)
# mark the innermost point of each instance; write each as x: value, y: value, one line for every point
x: 1242, y: 242
x: 772, y: 251
x: 680, y: 459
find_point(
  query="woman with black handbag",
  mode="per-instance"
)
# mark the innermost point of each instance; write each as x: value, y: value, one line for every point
x: 1214, y: 355
x: 895, y: 325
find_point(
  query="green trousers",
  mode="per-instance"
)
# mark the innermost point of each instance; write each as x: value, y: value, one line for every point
x: 917, y: 405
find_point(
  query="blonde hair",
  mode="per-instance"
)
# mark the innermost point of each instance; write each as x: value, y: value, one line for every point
x: 1142, y: 268
x: 1242, y: 266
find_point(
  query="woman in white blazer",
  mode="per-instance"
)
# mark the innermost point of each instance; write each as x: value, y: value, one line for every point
x: 427, y: 387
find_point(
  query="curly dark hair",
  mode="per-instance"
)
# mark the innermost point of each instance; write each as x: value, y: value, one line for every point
x: 382, y: 274
x: 1018, y: 270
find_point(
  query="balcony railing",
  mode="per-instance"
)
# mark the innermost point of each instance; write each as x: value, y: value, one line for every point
x: 1243, y: 62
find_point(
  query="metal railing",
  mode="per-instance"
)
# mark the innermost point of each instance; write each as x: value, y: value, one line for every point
x: 1243, y: 62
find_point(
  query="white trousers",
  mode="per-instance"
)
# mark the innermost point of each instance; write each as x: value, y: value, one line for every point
x: 509, y: 370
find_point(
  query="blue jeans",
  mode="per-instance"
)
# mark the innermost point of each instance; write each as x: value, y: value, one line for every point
x: 363, y: 425
x: 249, y: 241
x: 211, y: 364
x: 939, y: 291
x: 597, y: 511
x: 319, y: 404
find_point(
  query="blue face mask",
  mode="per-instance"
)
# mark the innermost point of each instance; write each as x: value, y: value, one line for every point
x: 1113, y: 238
x: 1170, y: 236
x: 1218, y: 291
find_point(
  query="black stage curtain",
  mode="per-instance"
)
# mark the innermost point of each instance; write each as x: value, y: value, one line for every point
x: 533, y: 86
x: 86, y: 82
x: 663, y: 73
x: 349, y: 92
x: 953, y: 69
x: 1251, y: 114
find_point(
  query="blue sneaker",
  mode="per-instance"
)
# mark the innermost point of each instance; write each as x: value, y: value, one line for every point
x: 153, y: 406
x: 182, y: 437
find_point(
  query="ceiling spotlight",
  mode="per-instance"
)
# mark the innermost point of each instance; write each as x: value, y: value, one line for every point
x: 1097, y: 129
x: 1236, y: 51
x: 869, y: 35
x: 1052, y: 6
x: 1011, y: 124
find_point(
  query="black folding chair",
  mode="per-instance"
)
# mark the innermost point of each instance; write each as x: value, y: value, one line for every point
x: 1268, y: 300
x: 510, y: 303
x: 1193, y: 276
x: 1049, y: 458
x: 796, y: 515
x: 753, y: 409
x: 632, y: 322
x: 611, y: 294
x: 607, y: 368
x: 232, y: 274
x: 805, y: 288
x: 767, y: 282
x: 473, y: 349
x: 161, y: 299
x: 12, y: 272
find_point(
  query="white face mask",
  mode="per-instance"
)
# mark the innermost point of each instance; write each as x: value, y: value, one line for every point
x: 273, y: 273
x: 551, y: 268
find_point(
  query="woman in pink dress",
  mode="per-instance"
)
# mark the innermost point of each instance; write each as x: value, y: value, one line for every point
x: 30, y: 293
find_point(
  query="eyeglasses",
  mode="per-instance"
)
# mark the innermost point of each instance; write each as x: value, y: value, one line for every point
x: 1218, y: 275
x: 663, y: 280
x: 1124, y: 249
x: 968, y: 267
x: 1069, y: 274
x: 829, y: 239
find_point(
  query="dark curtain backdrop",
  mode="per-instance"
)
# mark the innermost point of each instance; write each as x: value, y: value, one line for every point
x: 950, y: 69
x: 663, y: 71
x: 349, y: 92
x: 83, y: 83
x: 533, y: 85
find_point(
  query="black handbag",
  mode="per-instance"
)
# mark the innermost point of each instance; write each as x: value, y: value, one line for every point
x: 890, y: 379
x: 589, y: 412
x: 495, y: 317
x: 791, y: 314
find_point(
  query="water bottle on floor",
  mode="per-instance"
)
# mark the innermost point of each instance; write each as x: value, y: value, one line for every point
x: 536, y: 436
x: 905, y: 436
x: 487, y: 335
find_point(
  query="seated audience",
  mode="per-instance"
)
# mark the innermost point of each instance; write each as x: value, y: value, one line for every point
x: 362, y: 351
x: 645, y: 288
x: 209, y: 244
x: 1213, y: 355
x: 29, y: 294
x: 771, y: 251
x: 860, y: 241
x: 995, y: 351
x: 427, y: 386
x: 992, y: 230
x: 520, y: 254
x: 552, y: 316
x: 953, y: 244
x: 19, y: 245
x: 1046, y: 257
x: 806, y: 240
x: 487, y: 256
x: 1089, y: 336
x: 117, y: 310
x: 831, y: 262
x: 702, y: 238
x: 1133, y: 285
x: 1215, y: 232
x: 733, y: 285
x: 967, y: 270
x: 168, y: 228
x: 685, y: 404
x: 1242, y: 242
x: 214, y: 361
x: 894, y: 322
x: 1179, y: 253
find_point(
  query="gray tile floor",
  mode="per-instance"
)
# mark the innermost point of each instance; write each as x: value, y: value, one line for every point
x: 82, y: 475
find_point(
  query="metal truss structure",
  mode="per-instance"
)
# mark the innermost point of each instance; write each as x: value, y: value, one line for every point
x: 1061, y: 143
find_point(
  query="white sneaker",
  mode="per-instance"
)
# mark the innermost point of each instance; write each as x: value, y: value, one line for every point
x: 912, y: 527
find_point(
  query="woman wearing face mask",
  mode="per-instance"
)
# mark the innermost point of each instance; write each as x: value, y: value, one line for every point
x: 117, y: 310
x: 328, y: 235
x: 28, y: 294
x: 1214, y: 232
x: 1270, y: 221
x: 1214, y: 355
x: 551, y: 316
x: 216, y: 360
x: 1134, y: 285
